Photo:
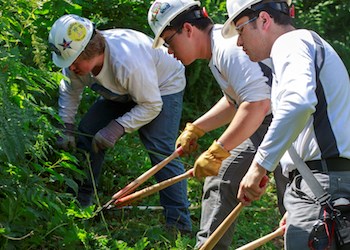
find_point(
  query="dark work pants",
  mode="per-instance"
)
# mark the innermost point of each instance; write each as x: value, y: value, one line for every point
x: 158, y: 136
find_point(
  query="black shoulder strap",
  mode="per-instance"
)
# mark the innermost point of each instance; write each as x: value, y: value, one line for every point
x: 320, y: 53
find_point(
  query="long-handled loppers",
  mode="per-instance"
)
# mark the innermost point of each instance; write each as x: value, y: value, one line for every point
x: 141, y: 179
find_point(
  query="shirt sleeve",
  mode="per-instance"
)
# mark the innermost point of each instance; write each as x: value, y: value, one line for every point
x: 293, y: 98
x: 244, y: 77
x: 142, y: 85
x: 70, y: 90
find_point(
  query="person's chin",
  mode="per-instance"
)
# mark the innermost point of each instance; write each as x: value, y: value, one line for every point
x: 79, y: 73
x: 253, y: 59
x: 186, y: 63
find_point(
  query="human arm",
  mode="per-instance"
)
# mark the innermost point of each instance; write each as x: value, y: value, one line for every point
x: 70, y: 90
x: 249, y: 187
x: 248, y: 118
x: 107, y: 136
x: 140, y: 83
x: 295, y: 97
x: 283, y: 221
x: 147, y: 106
x: 294, y: 100
x: 245, y: 87
x: 66, y: 141
x: 246, y: 121
x: 220, y: 114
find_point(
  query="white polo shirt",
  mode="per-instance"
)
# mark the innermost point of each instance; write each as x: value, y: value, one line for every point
x: 313, y: 116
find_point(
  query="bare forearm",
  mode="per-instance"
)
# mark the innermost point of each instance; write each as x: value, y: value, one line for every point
x: 219, y: 115
x: 247, y: 120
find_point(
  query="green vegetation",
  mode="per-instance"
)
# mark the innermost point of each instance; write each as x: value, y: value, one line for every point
x: 35, y: 210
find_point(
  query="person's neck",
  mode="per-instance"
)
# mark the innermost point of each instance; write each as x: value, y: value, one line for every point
x: 277, y: 31
x: 206, y: 36
x: 281, y: 30
x: 98, y: 64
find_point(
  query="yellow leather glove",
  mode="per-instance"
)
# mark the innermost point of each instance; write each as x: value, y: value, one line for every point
x: 209, y: 162
x: 188, y: 138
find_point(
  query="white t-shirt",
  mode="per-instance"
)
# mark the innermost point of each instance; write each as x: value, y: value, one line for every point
x: 131, y: 67
x: 315, y: 117
x: 240, y: 79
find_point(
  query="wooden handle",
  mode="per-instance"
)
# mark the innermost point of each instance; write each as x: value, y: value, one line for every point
x: 261, y: 241
x: 220, y: 230
x: 146, y: 175
x: 126, y: 200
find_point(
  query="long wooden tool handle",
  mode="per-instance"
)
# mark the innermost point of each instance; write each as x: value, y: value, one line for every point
x: 146, y: 175
x: 261, y: 241
x: 126, y: 200
x: 220, y: 230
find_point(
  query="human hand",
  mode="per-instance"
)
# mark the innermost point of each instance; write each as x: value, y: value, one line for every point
x: 253, y: 184
x: 67, y: 140
x: 283, y: 221
x: 107, y: 137
x: 209, y: 162
x: 188, y: 138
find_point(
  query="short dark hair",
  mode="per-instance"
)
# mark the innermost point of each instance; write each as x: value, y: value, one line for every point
x: 195, y: 16
x: 278, y: 10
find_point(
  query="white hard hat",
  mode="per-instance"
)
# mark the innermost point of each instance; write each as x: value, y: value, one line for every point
x: 162, y: 12
x: 68, y: 37
x: 234, y: 8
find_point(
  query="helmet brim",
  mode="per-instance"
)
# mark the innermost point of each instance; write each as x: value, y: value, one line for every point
x: 229, y: 28
x: 59, y: 62
x: 158, y: 41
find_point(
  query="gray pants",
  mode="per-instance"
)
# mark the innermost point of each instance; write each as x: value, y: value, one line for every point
x: 304, y: 211
x: 220, y: 192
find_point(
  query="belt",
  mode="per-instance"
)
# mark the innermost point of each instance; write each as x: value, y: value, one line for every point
x: 325, y: 166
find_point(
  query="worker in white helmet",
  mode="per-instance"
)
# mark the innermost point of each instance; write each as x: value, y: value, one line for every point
x: 311, y: 108
x: 189, y: 34
x: 141, y: 90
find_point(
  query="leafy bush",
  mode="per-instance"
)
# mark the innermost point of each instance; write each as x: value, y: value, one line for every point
x: 329, y: 19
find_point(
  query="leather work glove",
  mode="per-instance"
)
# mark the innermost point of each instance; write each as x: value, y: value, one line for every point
x: 107, y: 137
x: 209, y: 162
x: 67, y: 140
x: 188, y: 138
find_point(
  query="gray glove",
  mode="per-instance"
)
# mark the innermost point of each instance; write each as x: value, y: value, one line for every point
x: 107, y: 137
x: 67, y: 140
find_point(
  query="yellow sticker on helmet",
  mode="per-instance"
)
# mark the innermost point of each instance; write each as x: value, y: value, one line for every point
x: 76, y: 31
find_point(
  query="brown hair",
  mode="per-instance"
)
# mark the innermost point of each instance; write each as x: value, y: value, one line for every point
x: 95, y: 47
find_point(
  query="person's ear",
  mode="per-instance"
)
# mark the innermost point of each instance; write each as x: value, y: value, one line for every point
x: 265, y: 18
x: 187, y: 28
